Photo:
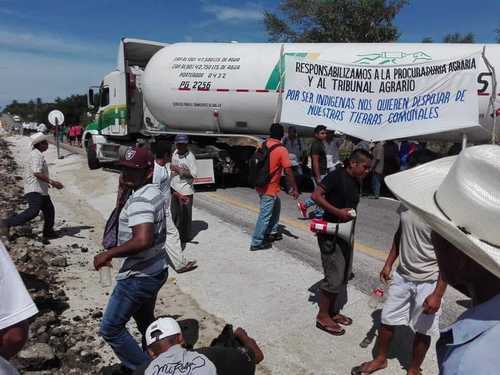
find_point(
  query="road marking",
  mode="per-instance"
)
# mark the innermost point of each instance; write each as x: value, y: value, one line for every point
x: 376, y: 253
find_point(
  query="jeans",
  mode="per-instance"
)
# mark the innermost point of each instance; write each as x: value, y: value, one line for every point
x: 268, y: 219
x: 36, y: 203
x: 376, y: 184
x: 134, y: 297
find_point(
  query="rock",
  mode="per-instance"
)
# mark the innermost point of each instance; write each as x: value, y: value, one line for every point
x: 36, y: 356
x: 59, y: 261
x: 85, y: 250
x: 97, y: 315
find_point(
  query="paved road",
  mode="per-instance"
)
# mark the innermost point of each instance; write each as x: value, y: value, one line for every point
x: 376, y: 223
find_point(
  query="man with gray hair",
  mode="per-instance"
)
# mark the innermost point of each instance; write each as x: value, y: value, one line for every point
x: 459, y: 197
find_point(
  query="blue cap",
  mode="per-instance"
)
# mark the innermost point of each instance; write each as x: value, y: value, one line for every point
x: 181, y: 138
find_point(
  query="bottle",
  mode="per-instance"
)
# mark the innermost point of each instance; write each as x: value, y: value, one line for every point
x: 105, y: 276
x: 376, y: 298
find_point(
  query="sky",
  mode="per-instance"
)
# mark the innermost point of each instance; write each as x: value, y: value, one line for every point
x: 51, y: 48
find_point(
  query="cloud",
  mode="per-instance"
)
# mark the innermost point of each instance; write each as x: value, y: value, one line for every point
x: 250, y: 12
x: 26, y: 76
x: 48, y: 44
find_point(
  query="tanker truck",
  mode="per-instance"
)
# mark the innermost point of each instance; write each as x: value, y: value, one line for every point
x: 225, y: 95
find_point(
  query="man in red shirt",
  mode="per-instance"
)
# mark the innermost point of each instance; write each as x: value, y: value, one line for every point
x: 266, y: 229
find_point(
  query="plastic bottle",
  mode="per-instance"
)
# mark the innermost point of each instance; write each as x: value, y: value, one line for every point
x: 105, y: 276
x: 376, y: 298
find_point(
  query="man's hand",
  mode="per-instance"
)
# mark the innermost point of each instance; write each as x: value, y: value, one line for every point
x: 101, y: 260
x: 385, y: 274
x: 56, y: 184
x: 432, y: 304
x: 184, y: 199
x: 344, y: 214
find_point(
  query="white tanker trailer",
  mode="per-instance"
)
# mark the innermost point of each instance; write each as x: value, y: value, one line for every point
x: 225, y: 95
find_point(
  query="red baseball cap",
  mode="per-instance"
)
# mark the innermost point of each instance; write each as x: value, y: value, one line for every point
x: 137, y: 157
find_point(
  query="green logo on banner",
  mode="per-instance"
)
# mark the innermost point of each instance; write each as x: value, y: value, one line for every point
x: 392, y: 58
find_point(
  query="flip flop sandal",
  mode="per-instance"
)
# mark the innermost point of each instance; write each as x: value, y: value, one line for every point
x: 344, y: 320
x: 329, y: 330
x: 358, y: 370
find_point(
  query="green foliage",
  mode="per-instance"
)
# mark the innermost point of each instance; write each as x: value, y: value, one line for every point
x: 334, y: 21
x: 458, y: 38
x: 74, y: 108
x: 427, y: 39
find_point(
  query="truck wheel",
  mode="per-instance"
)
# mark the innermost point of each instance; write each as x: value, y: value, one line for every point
x: 92, y: 160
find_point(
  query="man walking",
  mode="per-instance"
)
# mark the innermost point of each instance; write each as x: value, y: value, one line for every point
x: 36, y: 191
x: 378, y: 169
x: 141, y: 243
x: 415, y: 293
x: 338, y: 195
x: 458, y: 197
x: 184, y: 172
x: 267, y: 227
x: 319, y: 169
x: 161, y: 177
x: 295, y: 149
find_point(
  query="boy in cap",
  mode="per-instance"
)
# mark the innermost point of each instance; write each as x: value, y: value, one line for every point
x: 166, y: 343
x: 36, y: 191
x: 141, y: 244
x: 184, y: 172
x: 459, y: 197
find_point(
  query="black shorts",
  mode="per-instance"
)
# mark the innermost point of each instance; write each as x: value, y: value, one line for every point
x: 336, y: 259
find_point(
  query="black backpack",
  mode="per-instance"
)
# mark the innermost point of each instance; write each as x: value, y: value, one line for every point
x: 259, y: 174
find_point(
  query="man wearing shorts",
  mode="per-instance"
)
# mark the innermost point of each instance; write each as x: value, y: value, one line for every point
x: 415, y: 293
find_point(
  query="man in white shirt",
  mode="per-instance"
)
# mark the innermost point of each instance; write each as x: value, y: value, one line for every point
x: 332, y: 145
x: 295, y: 149
x: 36, y: 191
x: 16, y: 307
x: 184, y: 172
x: 161, y: 177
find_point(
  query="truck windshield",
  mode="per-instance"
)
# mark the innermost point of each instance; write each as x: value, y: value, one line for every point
x: 104, y: 96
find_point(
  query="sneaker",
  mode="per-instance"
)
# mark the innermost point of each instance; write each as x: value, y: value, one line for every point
x: 263, y: 246
x: 274, y: 237
x: 302, y: 209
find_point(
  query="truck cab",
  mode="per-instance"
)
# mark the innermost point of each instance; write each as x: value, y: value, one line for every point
x: 118, y: 103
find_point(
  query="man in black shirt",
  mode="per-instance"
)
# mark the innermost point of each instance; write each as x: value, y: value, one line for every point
x: 338, y: 195
x: 319, y: 168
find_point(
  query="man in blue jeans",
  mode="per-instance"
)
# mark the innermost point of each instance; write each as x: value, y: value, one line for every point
x: 266, y: 229
x: 141, y: 244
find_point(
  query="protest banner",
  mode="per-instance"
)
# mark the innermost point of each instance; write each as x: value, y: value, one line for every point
x: 382, y: 102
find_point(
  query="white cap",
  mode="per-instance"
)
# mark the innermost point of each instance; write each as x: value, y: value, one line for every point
x: 37, y: 138
x: 160, y: 329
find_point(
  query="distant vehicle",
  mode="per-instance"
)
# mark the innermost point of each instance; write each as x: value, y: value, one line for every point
x: 16, y: 118
x: 225, y: 95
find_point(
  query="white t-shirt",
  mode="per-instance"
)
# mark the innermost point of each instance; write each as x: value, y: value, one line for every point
x: 35, y: 164
x: 184, y: 184
x: 16, y: 304
x: 417, y: 259
x: 332, y: 153
x: 161, y: 177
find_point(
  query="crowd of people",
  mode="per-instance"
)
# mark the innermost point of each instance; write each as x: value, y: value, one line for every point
x: 447, y: 234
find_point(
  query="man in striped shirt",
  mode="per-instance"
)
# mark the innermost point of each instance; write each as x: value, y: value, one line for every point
x: 141, y: 242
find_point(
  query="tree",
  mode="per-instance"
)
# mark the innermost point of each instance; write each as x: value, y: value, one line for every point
x: 334, y: 21
x: 458, y: 38
x: 427, y: 39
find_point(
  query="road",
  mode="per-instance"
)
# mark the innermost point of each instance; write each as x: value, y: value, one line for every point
x: 271, y: 293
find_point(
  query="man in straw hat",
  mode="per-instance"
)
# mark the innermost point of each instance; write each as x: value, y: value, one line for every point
x: 36, y: 191
x: 459, y: 197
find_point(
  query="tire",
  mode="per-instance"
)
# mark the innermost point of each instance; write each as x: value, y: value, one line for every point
x: 92, y: 160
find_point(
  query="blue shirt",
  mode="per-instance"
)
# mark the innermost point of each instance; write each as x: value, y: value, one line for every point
x: 471, y: 345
